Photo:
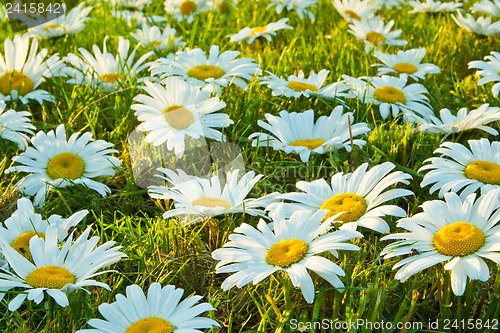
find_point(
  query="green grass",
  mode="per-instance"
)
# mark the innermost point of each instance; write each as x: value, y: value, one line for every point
x: 163, y: 251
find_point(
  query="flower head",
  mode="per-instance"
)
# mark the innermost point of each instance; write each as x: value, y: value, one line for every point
x: 265, y: 31
x: 15, y: 126
x: 431, y: 6
x: 488, y: 71
x: 479, y: 26
x: 405, y: 62
x: 153, y: 37
x: 301, y: 7
x: 375, y: 33
x: 355, y: 9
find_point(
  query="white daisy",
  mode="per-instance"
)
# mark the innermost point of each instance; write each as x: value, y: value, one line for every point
x: 262, y: 31
x: 461, y: 169
x: 298, y: 133
x: 479, y: 26
x: 301, y: 7
x: 23, y: 69
x: 405, y: 62
x: 355, y: 9
x: 487, y: 7
x: 71, y: 22
x: 359, y: 196
x: 56, y: 270
x: 137, y: 19
x: 24, y: 223
x: 431, y: 6
x: 185, y: 9
x: 212, y: 73
x: 488, y: 71
x: 157, y: 311
x: 54, y: 161
x: 388, y: 4
x: 103, y: 70
x: 153, y: 37
x: 197, y: 199
x: 292, y: 245
x: 464, y: 120
x: 297, y: 85
x: 458, y: 232
x: 177, y: 109
x: 375, y: 33
x: 15, y: 126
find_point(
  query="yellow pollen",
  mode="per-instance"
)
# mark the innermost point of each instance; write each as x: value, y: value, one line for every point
x: 308, y: 143
x: 353, y: 205
x: 287, y: 252
x: 211, y: 202
x: 257, y: 30
x: 484, y: 171
x: 203, y: 72
x: 22, y: 243
x: 53, y: 26
x: 15, y: 80
x: 404, y: 67
x: 374, y: 37
x: 458, y: 239
x: 65, y: 165
x: 150, y: 325
x: 301, y: 86
x: 154, y: 43
x: 52, y: 277
x: 178, y: 117
x: 391, y: 95
x: 352, y: 15
x: 188, y: 7
x: 112, y: 78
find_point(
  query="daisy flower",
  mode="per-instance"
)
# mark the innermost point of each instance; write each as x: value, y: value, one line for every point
x: 461, y: 169
x: 298, y: 133
x: 491, y: 8
x: 262, y: 31
x: 296, y: 86
x: 157, y: 311
x: 211, y: 73
x: 137, y: 19
x: 479, y: 26
x: 56, y: 270
x: 15, y: 126
x: 23, y: 69
x: 405, y: 62
x: 69, y: 23
x: 177, y: 109
x: 24, y: 223
x: 292, y: 245
x: 185, y: 9
x: 431, y: 6
x: 103, y: 70
x: 197, y: 199
x: 54, y: 161
x: 299, y: 6
x: 488, y: 71
x: 355, y: 9
x: 388, y: 4
x: 457, y: 232
x: 375, y: 33
x: 359, y: 196
x: 464, y: 120
x: 153, y: 37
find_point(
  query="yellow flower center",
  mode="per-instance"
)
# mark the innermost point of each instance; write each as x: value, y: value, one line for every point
x: 150, y: 325
x: 65, y: 165
x: 353, y: 205
x: 188, y: 7
x: 374, y: 37
x: 257, y: 30
x: 287, y: 252
x: 178, y: 117
x: 52, y: 26
x: 15, y: 80
x: 203, y: 72
x: 22, y: 243
x: 308, y: 143
x: 352, y: 15
x: 112, y: 78
x: 52, y: 277
x: 391, y: 95
x: 301, y: 86
x: 484, y: 171
x: 458, y: 239
x: 404, y: 67
x: 211, y: 202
